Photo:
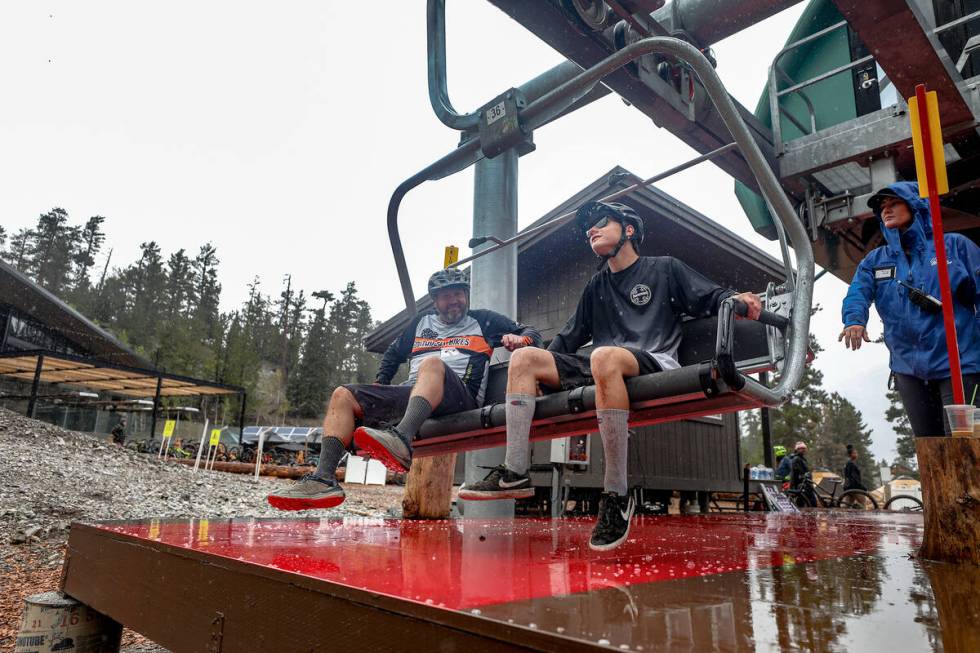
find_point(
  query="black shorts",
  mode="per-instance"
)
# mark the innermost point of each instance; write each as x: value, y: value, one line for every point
x: 575, y: 370
x: 384, y: 405
x: 924, y: 401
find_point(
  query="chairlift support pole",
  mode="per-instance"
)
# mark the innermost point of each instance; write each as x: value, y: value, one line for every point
x: 156, y: 403
x: 494, y: 287
x: 241, y: 419
x: 32, y: 403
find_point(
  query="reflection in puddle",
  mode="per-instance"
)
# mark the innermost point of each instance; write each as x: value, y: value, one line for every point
x: 812, y: 582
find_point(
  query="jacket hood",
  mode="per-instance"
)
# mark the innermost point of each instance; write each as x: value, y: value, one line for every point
x: 921, y: 226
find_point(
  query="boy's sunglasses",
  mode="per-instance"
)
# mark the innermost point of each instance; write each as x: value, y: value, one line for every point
x: 600, y: 223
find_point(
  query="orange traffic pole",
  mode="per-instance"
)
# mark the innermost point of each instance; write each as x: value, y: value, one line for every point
x: 956, y: 376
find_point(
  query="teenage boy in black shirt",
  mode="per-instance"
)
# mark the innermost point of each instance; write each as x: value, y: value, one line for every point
x: 631, y: 311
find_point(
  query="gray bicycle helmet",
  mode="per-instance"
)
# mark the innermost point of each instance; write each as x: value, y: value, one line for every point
x: 590, y: 212
x: 448, y: 278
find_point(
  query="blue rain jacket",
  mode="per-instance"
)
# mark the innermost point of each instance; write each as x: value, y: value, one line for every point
x: 916, y: 339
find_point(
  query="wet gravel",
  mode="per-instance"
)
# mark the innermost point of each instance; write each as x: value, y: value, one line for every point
x: 50, y: 477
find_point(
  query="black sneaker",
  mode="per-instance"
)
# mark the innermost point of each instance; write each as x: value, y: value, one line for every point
x: 500, y: 483
x: 613, y: 526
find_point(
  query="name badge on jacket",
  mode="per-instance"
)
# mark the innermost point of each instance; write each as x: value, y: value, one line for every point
x: 884, y: 273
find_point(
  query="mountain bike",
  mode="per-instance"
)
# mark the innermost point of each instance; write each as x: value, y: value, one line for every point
x: 848, y: 499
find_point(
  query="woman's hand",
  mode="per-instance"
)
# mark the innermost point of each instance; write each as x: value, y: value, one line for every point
x: 853, y: 336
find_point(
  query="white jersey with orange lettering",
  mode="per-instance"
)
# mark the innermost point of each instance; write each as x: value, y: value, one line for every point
x: 465, y: 347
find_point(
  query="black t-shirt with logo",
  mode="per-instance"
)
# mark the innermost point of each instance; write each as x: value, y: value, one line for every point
x: 640, y: 307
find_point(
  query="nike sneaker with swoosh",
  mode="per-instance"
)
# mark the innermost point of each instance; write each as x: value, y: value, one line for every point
x: 613, y: 526
x: 500, y: 483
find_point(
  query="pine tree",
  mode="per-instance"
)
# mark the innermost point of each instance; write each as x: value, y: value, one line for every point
x: 52, y: 249
x: 905, y: 439
x: 17, y: 254
x: 91, y: 240
x: 3, y: 237
x: 842, y: 424
x: 207, y: 291
x: 180, y: 284
x: 310, y: 385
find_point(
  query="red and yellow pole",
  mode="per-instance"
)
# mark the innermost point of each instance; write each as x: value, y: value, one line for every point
x: 930, y: 164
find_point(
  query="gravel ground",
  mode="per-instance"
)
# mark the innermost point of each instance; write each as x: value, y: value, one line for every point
x: 50, y: 477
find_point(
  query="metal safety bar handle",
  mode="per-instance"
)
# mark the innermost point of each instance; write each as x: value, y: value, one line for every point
x: 438, y: 88
x: 554, y: 102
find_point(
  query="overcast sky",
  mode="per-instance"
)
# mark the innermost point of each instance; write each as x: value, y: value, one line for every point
x: 278, y: 132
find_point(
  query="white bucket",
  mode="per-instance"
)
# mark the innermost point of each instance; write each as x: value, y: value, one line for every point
x: 55, y: 623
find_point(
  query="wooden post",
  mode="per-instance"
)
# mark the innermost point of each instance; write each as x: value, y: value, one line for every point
x: 950, y: 470
x: 429, y: 487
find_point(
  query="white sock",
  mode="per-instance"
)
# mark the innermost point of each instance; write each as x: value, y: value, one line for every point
x: 614, y: 430
x: 520, y: 413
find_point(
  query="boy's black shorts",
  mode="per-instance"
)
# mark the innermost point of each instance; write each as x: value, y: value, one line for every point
x: 575, y: 370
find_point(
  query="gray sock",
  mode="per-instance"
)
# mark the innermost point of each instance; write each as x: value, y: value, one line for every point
x: 418, y: 411
x: 519, y: 409
x: 331, y: 451
x: 614, y: 429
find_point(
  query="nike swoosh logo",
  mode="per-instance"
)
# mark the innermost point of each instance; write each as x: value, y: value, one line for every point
x: 504, y: 484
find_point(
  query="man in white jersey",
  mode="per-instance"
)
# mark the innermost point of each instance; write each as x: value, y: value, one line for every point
x: 448, y: 351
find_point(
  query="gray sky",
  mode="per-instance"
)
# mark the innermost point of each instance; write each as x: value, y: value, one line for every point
x: 278, y: 132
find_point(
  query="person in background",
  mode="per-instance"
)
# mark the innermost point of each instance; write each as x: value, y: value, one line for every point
x: 852, y: 473
x: 784, y: 463
x: 800, y: 472
x: 119, y: 432
x: 901, y: 279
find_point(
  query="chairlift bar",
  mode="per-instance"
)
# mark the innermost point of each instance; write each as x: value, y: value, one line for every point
x: 806, y: 100
x: 830, y: 73
x: 565, y: 217
x: 774, y: 109
x: 438, y: 88
x: 956, y: 23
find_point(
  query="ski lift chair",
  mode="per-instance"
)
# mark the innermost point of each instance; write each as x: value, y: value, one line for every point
x: 717, y: 355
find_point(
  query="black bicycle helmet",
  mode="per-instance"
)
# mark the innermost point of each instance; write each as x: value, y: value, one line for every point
x: 590, y: 212
x: 448, y: 278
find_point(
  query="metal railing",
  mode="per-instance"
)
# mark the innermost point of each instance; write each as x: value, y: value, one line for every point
x: 554, y: 102
x: 775, y: 94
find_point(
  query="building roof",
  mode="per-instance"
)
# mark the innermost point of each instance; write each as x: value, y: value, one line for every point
x: 670, y: 227
x: 99, y: 376
x: 30, y: 298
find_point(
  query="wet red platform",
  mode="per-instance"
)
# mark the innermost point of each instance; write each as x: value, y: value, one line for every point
x: 817, y: 581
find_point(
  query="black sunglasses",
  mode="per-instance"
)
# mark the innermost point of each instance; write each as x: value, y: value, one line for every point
x: 600, y: 223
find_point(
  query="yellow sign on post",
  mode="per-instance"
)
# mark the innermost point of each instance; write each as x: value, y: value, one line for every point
x: 452, y: 255
x: 168, y: 428
x: 931, y: 115
x: 215, y: 437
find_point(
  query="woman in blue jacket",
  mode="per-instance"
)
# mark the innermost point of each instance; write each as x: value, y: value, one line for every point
x: 901, y: 278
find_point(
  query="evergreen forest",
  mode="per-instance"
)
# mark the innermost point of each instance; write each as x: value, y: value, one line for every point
x: 287, y: 348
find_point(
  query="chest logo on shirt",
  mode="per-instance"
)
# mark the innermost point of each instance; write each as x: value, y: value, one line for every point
x: 640, y: 294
